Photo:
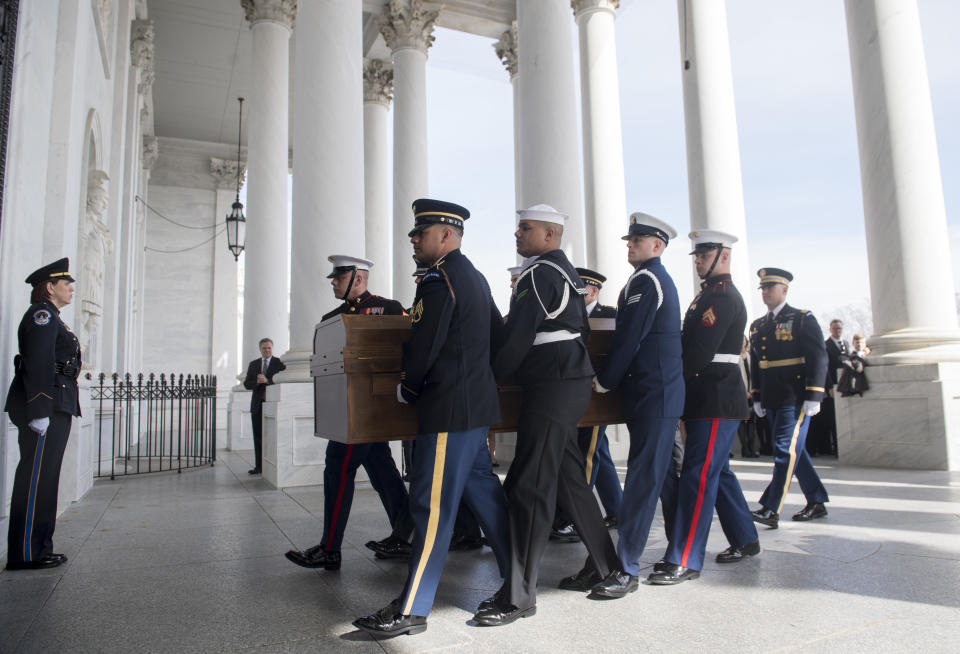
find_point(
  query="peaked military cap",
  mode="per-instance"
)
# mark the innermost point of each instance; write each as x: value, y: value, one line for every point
x: 591, y: 277
x: 428, y: 212
x: 51, y: 272
x: 705, y: 240
x: 642, y: 224
x: 345, y: 263
x: 770, y: 276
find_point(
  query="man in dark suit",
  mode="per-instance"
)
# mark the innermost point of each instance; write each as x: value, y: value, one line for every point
x: 600, y: 469
x: 645, y: 362
x: 260, y: 374
x: 446, y: 374
x: 788, y: 363
x: 823, y: 427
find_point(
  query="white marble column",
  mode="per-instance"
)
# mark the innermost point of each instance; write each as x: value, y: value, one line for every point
x: 506, y: 49
x: 604, y: 187
x: 377, y: 92
x: 549, y: 157
x: 407, y: 28
x: 265, y: 257
x: 908, y: 245
x: 713, y: 151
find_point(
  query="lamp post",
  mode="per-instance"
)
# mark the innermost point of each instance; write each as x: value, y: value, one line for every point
x: 236, y: 223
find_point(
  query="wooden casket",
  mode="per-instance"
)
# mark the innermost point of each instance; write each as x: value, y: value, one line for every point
x: 356, y: 369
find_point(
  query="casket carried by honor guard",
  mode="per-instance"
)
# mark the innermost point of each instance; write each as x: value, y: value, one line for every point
x: 356, y: 369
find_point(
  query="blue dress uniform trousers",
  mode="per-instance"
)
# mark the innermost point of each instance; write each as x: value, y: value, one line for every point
x: 648, y: 464
x: 33, y: 505
x: 789, y: 425
x: 449, y: 466
x: 601, y: 471
x: 706, y: 457
x: 342, y: 462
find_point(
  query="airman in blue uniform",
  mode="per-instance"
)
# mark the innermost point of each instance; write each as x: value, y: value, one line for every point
x: 42, y: 401
x: 645, y: 363
x: 446, y: 373
x: 349, y: 281
x: 714, y: 407
x: 788, y: 363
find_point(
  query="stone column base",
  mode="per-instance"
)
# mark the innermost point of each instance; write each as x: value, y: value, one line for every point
x: 239, y: 435
x: 910, y: 418
x: 292, y: 455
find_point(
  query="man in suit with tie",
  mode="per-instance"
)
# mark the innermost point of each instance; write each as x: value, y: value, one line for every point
x: 823, y: 427
x: 260, y: 373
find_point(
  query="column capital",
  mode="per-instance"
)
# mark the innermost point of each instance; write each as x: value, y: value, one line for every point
x: 282, y: 12
x: 408, y: 24
x: 506, y: 49
x: 224, y: 171
x: 377, y: 81
x: 151, y: 150
x: 141, y: 52
x: 581, y: 7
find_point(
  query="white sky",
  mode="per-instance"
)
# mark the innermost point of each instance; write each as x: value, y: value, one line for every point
x: 798, y: 144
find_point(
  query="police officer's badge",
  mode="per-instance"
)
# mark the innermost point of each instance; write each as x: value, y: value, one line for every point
x: 41, y: 317
x: 417, y: 312
x: 709, y: 318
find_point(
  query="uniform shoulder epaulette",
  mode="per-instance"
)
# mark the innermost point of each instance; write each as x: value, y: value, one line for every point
x: 719, y: 289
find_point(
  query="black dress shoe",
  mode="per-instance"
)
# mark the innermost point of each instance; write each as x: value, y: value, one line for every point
x: 583, y: 581
x: 811, y: 511
x: 391, y: 547
x: 611, y: 521
x: 315, y: 557
x: 499, y: 612
x: 674, y: 574
x: 389, y: 622
x: 253, y: 471
x: 466, y: 543
x: 48, y: 561
x: 733, y: 553
x: 660, y: 566
x: 614, y: 586
x: 565, y: 534
x: 766, y: 516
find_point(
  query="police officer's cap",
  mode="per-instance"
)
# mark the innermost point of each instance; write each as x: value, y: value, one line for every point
x: 591, y: 277
x: 543, y: 213
x: 428, y: 212
x: 770, y: 276
x: 51, y: 272
x: 343, y: 263
x: 706, y: 240
x: 642, y: 224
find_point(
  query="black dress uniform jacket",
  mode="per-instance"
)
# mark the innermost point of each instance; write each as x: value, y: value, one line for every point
x: 367, y: 304
x: 714, y: 324
x: 446, y: 363
x: 541, y: 288
x: 47, y: 368
x: 788, y: 361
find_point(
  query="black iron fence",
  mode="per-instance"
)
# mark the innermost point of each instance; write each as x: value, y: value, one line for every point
x: 154, y: 423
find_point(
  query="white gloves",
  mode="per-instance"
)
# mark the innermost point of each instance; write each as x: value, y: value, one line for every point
x: 811, y: 408
x: 597, y: 387
x: 400, y: 396
x: 758, y: 409
x: 39, y: 425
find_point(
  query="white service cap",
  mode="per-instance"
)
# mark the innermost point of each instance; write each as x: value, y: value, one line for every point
x: 344, y: 263
x: 710, y: 239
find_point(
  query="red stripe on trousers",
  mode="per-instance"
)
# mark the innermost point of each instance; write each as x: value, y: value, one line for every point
x: 700, y: 491
x: 343, y: 485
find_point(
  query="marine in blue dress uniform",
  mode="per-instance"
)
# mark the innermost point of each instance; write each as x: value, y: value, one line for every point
x: 446, y: 373
x: 544, y: 350
x: 714, y: 407
x: 42, y: 401
x: 600, y: 469
x: 645, y: 362
x: 788, y: 363
x: 349, y: 281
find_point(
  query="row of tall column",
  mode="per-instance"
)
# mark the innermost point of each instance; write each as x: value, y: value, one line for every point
x: 340, y: 196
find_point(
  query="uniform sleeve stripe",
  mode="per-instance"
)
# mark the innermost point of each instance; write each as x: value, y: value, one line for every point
x: 39, y: 395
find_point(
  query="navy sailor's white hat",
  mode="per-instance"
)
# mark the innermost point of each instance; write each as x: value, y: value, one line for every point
x: 544, y: 213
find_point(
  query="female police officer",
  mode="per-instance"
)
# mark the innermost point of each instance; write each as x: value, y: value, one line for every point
x: 41, y: 402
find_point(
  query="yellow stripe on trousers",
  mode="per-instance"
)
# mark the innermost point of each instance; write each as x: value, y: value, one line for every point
x: 432, y: 521
x: 590, y: 452
x: 793, y: 459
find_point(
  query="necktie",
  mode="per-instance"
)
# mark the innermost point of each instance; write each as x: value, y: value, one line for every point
x: 770, y: 316
x: 263, y: 367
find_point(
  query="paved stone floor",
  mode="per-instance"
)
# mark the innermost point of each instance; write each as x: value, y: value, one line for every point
x: 194, y: 563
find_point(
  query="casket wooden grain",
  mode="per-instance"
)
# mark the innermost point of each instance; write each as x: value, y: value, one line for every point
x: 356, y: 369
